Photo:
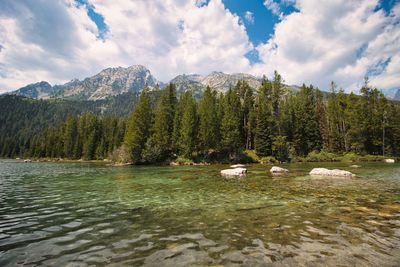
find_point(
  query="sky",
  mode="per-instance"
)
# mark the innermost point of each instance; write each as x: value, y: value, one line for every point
x: 306, y: 41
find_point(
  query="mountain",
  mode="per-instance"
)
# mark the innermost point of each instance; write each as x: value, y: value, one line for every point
x: 397, y: 95
x: 41, y: 90
x: 189, y: 82
x: 117, y: 81
x: 222, y: 82
x: 109, y: 82
x: 219, y: 81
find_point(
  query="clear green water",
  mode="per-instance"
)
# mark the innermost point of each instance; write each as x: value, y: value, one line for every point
x: 87, y: 214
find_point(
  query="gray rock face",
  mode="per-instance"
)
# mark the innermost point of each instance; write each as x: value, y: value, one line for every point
x: 111, y: 82
x: 219, y: 81
x: 115, y: 81
x: 36, y: 90
x: 191, y: 82
x: 222, y: 82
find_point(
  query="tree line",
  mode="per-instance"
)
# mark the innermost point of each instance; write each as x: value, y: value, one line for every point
x: 272, y: 121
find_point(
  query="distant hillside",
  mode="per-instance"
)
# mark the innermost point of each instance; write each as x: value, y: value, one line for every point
x: 40, y: 90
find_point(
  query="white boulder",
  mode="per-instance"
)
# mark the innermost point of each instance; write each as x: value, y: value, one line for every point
x: 355, y: 166
x: 278, y: 170
x: 238, y: 166
x: 389, y: 160
x: 327, y: 172
x: 234, y: 172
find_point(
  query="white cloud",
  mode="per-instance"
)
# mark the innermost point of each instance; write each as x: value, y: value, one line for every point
x: 336, y: 40
x: 274, y: 7
x: 169, y: 37
x: 322, y: 42
x: 249, y: 16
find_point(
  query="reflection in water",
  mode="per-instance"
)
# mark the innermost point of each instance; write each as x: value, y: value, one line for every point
x: 85, y: 214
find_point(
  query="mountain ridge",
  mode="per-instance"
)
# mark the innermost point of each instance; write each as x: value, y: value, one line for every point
x: 118, y: 80
x: 115, y: 81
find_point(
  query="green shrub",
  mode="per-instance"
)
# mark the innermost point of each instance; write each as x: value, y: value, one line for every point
x: 323, y: 155
x: 268, y: 160
x: 183, y: 161
x: 251, y: 154
x: 350, y: 157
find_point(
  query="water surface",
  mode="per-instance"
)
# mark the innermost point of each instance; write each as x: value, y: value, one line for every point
x: 56, y: 214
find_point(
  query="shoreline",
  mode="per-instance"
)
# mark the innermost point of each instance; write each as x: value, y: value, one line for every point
x: 362, y: 159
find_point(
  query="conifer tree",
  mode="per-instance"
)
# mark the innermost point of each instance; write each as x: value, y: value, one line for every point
x: 188, y: 129
x: 209, y: 134
x: 230, y: 125
x: 138, y: 128
x: 264, y: 120
x: 159, y: 146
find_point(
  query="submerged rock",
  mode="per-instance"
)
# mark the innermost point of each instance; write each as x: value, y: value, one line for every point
x: 278, y: 170
x: 234, y: 172
x: 238, y: 166
x: 389, y: 160
x: 355, y: 166
x: 334, y: 173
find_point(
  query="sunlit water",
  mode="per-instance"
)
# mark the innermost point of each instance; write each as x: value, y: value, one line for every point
x: 88, y: 214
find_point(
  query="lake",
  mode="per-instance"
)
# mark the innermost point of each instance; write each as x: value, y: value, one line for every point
x: 80, y: 214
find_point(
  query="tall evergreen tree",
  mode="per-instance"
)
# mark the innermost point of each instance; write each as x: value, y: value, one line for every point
x: 159, y: 146
x: 188, y: 129
x: 209, y: 132
x: 230, y: 125
x: 69, y: 137
x: 264, y: 120
x: 138, y: 128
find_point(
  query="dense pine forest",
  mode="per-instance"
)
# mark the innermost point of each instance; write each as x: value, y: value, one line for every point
x: 270, y: 123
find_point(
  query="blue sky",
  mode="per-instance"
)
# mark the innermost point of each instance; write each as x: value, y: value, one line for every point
x: 308, y: 41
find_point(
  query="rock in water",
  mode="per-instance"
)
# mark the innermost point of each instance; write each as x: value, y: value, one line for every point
x: 327, y: 172
x: 389, y: 160
x: 278, y: 170
x: 238, y: 166
x: 355, y: 166
x: 234, y: 172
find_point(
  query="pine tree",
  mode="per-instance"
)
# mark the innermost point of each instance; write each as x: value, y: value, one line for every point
x: 209, y: 134
x: 138, y: 128
x: 230, y: 125
x: 159, y: 146
x: 307, y: 136
x: 188, y: 129
x: 264, y: 120
x: 69, y: 136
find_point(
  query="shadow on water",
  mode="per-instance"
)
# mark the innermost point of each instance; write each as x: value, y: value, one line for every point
x: 83, y: 214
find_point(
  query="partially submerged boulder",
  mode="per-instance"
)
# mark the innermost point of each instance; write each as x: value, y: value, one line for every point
x: 234, y: 172
x: 278, y: 170
x: 355, y: 166
x: 332, y: 173
x: 238, y: 166
x: 389, y: 160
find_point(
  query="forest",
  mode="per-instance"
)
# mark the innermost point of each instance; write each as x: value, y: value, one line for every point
x: 271, y: 123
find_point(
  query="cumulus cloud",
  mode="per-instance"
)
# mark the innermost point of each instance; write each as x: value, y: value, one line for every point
x: 322, y: 41
x: 274, y: 7
x: 249, y: 16
x: 340, y: 40
x: 169, y: 37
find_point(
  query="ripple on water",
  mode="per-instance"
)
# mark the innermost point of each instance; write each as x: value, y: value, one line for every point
x: 83, y: 214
